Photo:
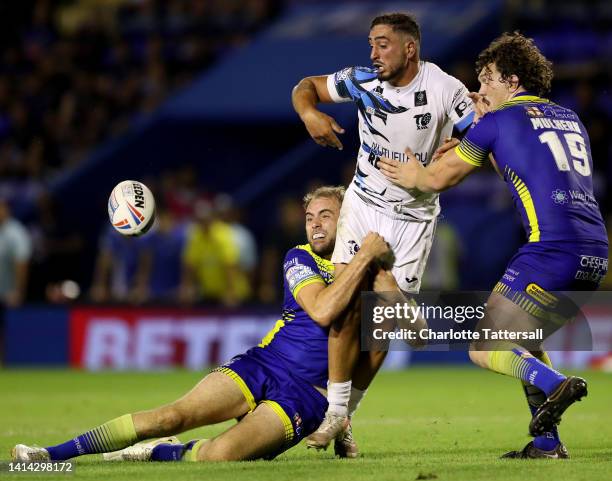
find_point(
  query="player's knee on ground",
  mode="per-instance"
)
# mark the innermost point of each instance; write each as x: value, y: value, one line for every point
x: 480, y: 358
x: 217, y: 450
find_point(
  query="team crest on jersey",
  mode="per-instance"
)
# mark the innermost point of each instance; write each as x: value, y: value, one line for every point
x: 534, y: 111
x: 420, y: 98
x: 353, y: 247
x: 422, y: 120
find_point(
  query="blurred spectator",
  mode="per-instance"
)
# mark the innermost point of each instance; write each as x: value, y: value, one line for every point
x: 247, y: 247
x: 116, y: 266
x: 158, y: 276
x: 15, y: 252
x: 211, y: 270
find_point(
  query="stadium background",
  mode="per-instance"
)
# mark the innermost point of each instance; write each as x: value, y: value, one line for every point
x: 193, y: 98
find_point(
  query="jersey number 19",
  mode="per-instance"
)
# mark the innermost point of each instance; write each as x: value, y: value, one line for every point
x: 577, y: 150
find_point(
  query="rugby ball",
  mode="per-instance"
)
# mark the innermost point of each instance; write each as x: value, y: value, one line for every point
x: 131, y: 208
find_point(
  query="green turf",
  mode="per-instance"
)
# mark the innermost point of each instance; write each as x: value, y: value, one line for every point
x: 449, y: 423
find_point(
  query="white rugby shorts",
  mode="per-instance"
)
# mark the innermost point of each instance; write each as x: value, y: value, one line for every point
x: 409, y: 239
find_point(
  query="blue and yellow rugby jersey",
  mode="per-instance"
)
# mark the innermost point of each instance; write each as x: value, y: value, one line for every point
x: 544, y: 154
x: 297, y: 341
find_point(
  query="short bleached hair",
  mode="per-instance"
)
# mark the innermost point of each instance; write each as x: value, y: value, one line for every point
x: 327, y: 191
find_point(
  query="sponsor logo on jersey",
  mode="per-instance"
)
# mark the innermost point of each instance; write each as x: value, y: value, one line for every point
x: 456, y: 95
x: 420, y: 98
x: 560, y: 197
x: 461, y: 108
x: 581, y: 197
x: 589, y: 276
x: 377, y: 113
x: 353, y: 247
x: 597, y: 268
x: 534, y: 111
x: 410, y: 280
x: 422, y: 120
x: 379, y: 90
x: 297, y: 274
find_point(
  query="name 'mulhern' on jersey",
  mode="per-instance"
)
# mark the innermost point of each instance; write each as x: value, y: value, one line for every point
x: 416, y: 116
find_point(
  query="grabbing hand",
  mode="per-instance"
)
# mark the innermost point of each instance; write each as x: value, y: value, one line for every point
x: 449, y: 143
x: 323, y: 129
x: 482, y: 105
x: 384, y: 281
x: 375, y: 246
x: 403, y: 174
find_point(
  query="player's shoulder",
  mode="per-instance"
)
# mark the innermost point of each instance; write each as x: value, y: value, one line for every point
x: 299, y: 254
x: 439, y: 78
x: 304, y: 255
x: 356, y: 72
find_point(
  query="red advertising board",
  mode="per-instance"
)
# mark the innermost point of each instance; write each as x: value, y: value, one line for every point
x: 145, y: 339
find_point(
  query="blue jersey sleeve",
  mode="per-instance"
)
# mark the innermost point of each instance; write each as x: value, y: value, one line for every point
x: 478, y: 142
x: 342, y: 85
x: 300, y: 270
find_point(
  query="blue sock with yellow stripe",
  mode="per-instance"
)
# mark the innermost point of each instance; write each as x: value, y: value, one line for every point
x: 522, y: 365
x: 111, y: 436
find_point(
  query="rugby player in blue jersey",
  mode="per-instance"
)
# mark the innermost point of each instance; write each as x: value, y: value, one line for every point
x: 542, y: 151
x: 276, y: 389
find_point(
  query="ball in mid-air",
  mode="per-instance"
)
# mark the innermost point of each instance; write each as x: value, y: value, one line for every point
x: 131, y: 208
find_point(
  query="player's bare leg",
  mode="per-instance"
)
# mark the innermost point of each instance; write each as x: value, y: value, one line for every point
x: 343, y: 354
x: 367, y: 366
x: 214, y: 399
x: 263, y: 429
x: 513, y: 360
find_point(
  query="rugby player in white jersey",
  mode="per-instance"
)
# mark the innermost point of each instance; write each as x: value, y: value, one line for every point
x: 403, y: 102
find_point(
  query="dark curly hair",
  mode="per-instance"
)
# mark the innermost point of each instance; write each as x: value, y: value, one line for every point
x: 402, y: 22
x: 515, y: 54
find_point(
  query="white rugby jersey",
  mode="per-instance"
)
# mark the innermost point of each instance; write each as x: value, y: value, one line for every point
x: 419, y: 116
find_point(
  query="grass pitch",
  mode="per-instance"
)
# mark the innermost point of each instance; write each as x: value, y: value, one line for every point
x: 422, y: 423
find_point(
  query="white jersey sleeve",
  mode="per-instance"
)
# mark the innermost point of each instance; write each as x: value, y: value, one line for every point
x: 458, y: 105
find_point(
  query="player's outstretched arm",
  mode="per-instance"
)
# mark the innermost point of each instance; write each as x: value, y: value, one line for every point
x: 438, y: 176
x: 309, y: 92
x: 325, y: 303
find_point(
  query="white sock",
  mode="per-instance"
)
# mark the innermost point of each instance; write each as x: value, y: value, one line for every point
x: 338, y: 395
x: 356, y: 397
